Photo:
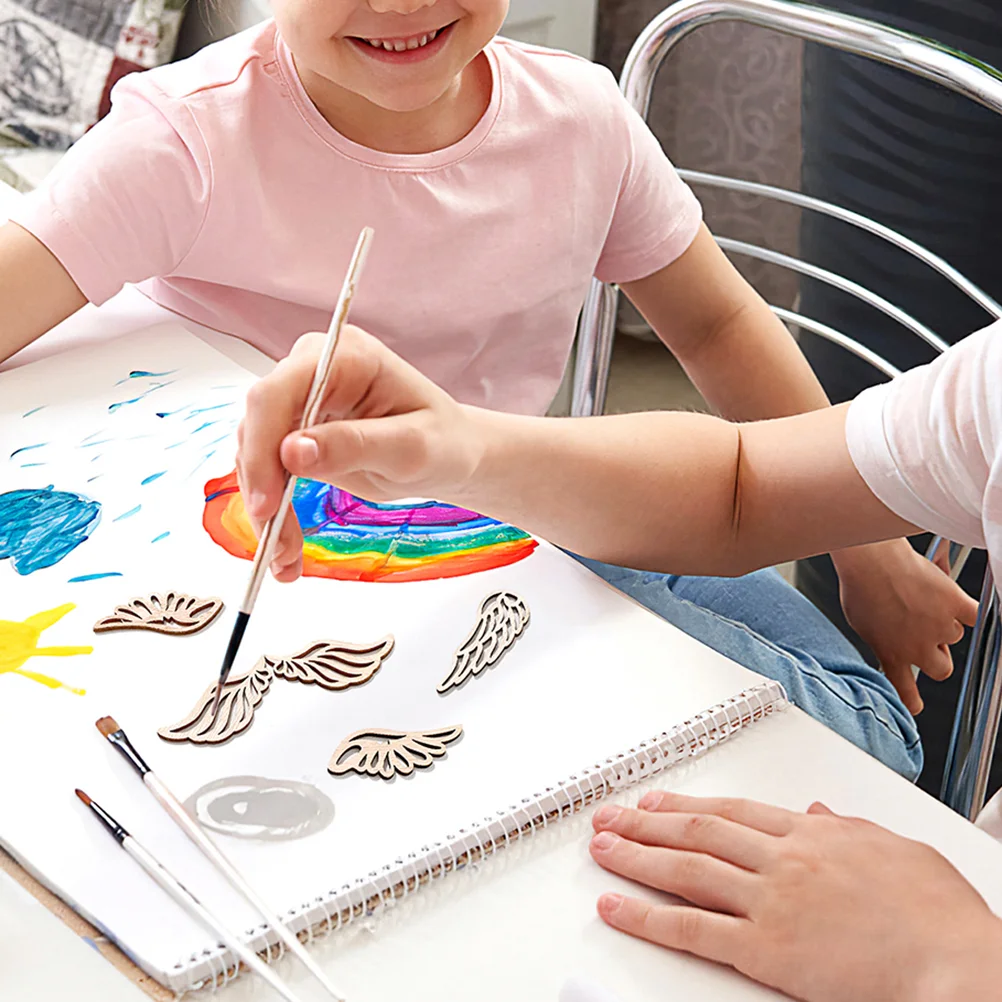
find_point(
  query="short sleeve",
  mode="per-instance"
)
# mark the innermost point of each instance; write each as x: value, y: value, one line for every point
x: 127, y: 200
x: 926, y: 443
x: 656, y: 217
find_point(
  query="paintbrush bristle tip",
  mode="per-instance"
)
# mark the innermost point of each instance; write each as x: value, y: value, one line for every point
x: 83, y: 796
x: 107, y: 726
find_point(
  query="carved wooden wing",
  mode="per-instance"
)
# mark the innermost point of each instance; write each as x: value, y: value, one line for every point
x: 503, y: 617
x: 333, y: 665
x: 390, y: 753
x: 166, y: 612
x: 242, y: 695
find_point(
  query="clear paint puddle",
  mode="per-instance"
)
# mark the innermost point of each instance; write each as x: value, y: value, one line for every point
x: 267, y: 810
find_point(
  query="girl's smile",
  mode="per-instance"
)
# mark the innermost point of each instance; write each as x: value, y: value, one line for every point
x: 403, y: 76
x: 403, y: 50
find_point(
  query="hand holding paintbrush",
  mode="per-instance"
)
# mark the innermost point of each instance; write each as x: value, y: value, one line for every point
x: 273, y: 529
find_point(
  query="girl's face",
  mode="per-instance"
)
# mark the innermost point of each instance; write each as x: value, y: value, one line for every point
x: 401, y: 55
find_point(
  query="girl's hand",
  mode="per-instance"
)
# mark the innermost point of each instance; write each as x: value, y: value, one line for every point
x: 906, y: 609
x: 385, y: 432
x: 822, y: 907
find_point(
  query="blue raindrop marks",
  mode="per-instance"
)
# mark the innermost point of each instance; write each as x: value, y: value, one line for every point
x: 34, y: 410
x: 95, y: 577
x: 39, y: 527
x: 128, y: 514
x: 163, y: 535
x: 152, y: 477
x: 205, y: 410
x: 28, y: 448
x: 163, y: 414
x: 143, y: 374
x: 202, y: 462
x: 135, y: 400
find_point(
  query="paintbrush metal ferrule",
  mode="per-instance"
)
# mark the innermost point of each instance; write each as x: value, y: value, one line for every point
x: 108, y: 726
x: 111, y: 826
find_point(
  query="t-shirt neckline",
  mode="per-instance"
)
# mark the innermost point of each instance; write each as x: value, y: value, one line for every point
x: 376, y: 158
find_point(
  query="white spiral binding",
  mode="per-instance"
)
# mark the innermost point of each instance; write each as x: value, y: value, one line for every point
x: 381, y: 889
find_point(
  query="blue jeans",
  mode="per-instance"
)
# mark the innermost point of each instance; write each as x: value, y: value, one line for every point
x: 762, y: 622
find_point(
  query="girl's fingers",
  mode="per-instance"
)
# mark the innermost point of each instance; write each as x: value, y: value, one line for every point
x: 706, y: 833
x: 819, y: 808
x: 704, y: 880
x: 750, y: 813
x: 968, y: 613
x: 394, y: 448
x: 287, y: 563
x: 720, y: 938
x: 903, y: 679
x: 274, y: 408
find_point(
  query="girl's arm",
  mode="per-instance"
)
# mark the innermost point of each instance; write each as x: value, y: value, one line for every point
x: 667, y: 491
x: 748, y: 367
x: 36, y: 292
x: 735, y: 350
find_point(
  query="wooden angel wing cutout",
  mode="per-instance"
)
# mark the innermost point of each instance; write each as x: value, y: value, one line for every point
x: 391, y: 753
x: 242, y: 695
x: 503, y: 617
x: 333, y: 665
x: 163, y: 612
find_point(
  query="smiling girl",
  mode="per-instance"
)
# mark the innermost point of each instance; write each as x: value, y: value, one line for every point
x: 500, y: 179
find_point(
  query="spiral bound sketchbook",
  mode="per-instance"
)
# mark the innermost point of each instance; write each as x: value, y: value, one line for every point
x: 427, y: 684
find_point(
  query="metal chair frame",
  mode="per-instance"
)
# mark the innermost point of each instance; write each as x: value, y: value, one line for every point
x: 976, y: 723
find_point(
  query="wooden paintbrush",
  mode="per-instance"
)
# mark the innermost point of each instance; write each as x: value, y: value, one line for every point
x: 187, y: 900
x: 273, y: 528
x: 110, y: 729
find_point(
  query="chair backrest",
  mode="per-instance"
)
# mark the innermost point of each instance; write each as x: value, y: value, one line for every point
x: 977, y: 720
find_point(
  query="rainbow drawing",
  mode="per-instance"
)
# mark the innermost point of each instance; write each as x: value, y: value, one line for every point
x: 350, y: 539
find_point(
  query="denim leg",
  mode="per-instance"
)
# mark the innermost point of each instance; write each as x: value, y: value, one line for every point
x: 763, y: 623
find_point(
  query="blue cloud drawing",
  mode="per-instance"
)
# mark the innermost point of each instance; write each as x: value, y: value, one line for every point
x: 39, y: 527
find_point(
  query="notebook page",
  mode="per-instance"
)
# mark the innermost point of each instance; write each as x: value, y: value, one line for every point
x: 592, y: 675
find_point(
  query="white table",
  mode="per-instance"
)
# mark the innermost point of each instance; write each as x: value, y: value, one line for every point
x: 523, y: 925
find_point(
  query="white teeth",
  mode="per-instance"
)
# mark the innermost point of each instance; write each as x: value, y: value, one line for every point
x: 401, y: 45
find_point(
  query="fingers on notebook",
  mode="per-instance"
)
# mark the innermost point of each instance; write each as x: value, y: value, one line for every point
x: 705, y: 934
x: 707, y: 833
x: 762, y: 817
x: 702, y: 879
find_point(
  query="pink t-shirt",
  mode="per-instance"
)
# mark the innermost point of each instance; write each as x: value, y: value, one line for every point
x: 929, y: 444
x: 217, y: 185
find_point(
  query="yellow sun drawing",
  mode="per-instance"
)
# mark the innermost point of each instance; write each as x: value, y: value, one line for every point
x: 19, y: 641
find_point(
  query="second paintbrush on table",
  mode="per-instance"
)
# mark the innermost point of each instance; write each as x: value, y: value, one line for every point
x: 273, y: 529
